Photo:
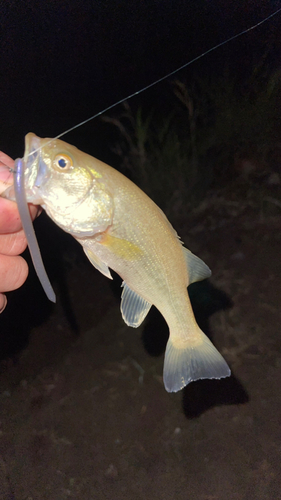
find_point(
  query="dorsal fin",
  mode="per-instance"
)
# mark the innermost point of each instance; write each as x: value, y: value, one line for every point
x: 196, y: 268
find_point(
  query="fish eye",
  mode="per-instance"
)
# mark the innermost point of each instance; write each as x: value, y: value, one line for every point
x: 62, y: 162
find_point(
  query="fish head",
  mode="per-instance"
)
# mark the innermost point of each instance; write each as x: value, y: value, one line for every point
x: 61, y: 179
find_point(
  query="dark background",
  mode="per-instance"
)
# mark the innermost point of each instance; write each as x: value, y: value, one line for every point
x: 83, y: 410
x: 62, y: 62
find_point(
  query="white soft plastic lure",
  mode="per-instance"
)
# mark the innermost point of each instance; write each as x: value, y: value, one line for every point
x: 29, y: 230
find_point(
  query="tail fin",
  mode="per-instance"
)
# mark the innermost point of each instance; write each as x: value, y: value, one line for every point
x: 182, y: 366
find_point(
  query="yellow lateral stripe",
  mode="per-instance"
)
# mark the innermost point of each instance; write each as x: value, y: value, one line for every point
x: 121, y: 247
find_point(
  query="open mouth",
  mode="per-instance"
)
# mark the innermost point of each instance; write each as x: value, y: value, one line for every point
x: 36, y: 171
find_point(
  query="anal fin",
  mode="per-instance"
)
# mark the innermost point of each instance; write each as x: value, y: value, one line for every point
x: 133, y: 307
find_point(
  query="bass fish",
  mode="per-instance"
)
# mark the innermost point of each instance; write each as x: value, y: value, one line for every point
x: 121, y: 228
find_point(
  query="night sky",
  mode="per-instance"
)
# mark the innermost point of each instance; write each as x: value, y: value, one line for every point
x: 63, y: 61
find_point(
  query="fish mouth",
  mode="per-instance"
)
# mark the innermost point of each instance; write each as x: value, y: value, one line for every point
x: 36, y: 170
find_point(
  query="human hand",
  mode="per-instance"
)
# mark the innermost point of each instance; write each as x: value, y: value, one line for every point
x: 13, y: 268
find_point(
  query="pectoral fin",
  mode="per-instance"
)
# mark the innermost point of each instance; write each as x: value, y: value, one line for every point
x: 197, y: 269
x: 133, y: 307
x: 97, y: 263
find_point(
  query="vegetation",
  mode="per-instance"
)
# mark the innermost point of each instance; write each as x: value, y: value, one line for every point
x: 217, y: 131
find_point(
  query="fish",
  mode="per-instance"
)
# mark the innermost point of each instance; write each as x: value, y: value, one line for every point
x: 121, y: 228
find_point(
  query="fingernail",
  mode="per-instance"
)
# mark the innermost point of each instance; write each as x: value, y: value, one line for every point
x: 4, y: 303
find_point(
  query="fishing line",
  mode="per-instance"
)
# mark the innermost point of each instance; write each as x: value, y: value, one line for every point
x: 168, y: 75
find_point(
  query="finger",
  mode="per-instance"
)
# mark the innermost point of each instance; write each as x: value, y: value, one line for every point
x: 13, y: 243
x: 10, y: 218
x: 6, y: 177
x: 3, y: 302
x: 6, y: 160
x: 13, y: 272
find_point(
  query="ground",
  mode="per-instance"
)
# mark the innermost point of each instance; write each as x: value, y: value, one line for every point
x: 84, y: 413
